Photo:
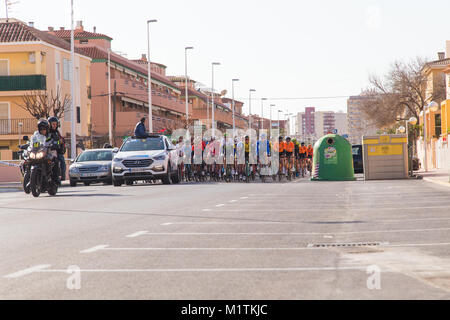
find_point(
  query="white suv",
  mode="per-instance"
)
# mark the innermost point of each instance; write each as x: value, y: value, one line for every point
x: 153, y: 158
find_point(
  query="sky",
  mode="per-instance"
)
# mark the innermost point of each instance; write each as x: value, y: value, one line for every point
x: 282, y: 49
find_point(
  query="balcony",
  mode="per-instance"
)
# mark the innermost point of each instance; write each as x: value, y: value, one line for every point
x: 18, y: 126
x: 138, y: 91
x: 23, y: 82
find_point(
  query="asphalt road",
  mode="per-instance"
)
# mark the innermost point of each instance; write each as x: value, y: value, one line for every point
x: 299, y: 240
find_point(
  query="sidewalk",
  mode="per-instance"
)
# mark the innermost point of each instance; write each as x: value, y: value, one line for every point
x: 17, y: 186
x: 438, y: 176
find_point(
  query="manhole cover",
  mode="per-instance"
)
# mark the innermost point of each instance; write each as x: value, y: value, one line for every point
x: 344, y: 245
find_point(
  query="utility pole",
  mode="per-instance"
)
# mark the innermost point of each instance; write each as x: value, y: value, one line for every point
x: 114, y: 111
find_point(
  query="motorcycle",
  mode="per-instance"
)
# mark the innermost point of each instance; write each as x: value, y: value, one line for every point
x: 25, y: 166
x: 43, y: 177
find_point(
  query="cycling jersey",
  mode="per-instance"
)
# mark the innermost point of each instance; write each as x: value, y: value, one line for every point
x: 247, y: 147
x: 289, y: 146
x: 280, y: 146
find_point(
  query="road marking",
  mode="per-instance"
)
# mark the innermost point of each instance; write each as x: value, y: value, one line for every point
x: 213, y: 249
x: 28, y: 271
x: 206, y: 210
x: 286, y: 233
x: 293, y: 269
x: 243, y: 198
x: 136, y: 234
x: 232, y: 201
x: 94, y: 249
x: 419, y: 244
x: 220, y: 205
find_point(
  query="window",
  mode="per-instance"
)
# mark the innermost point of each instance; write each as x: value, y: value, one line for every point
x: 4, y: 118
x: 437, y: 125
x: 58, y: 71
x: 4, y: 67
x: 78, y: 115
x: 67, y: 69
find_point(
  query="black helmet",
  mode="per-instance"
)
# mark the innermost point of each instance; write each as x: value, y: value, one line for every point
x: 53, y: 119
x: 288, y: 138
x: 43, y: 124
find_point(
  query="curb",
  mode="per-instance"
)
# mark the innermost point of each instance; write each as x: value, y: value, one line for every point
x: 441, y: 183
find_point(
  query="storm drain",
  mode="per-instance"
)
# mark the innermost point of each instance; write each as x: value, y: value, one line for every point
x: 346, y: 245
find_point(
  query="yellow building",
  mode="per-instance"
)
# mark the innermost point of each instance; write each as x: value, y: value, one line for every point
x: 435, y: 90
x: 35, y: 62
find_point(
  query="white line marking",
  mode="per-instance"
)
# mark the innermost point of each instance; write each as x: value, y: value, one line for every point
x: 362, y: 268
x: 286, y: 233
x: 419, y: 244
x: 94, y: 249
x: 220, y: 205
x: 296, y: 222
x: 232, y: 201
x: 243, y: 198
x: 137, y: 234
x: 28, y: 271
x: 206, y: 210
x: 328, y: 237
x: 215, y: 249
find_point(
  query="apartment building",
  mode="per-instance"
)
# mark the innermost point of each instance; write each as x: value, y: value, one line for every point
x: 35, y: 63
x: 358, y: 124
x: 129, y: 89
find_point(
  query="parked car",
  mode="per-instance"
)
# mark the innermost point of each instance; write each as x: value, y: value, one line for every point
x: 92, y: 166
x: 358, y: 158
x: 150, y: 159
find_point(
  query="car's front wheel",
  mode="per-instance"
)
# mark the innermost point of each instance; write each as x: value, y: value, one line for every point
x: 117, y: 182
x: 167, y: 179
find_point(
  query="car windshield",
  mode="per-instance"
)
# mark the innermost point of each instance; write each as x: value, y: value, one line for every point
x: 90, y: 156
x: 148, y: 144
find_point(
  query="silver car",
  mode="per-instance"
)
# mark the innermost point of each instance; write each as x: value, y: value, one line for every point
x: 92, y: 166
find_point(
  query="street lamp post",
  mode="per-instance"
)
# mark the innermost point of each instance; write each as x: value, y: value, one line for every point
x: 73, y: 133
x: 270, y: 130
x: 233, y: 106
x: 250, y: 108
x: 20, y: 135
x: 186, y: 85
x: 262, y: 112
x: 212, y: 97
x: 109, y: 99
x: 432, y: 106
x: 149, y: 81
x: 279, y: 111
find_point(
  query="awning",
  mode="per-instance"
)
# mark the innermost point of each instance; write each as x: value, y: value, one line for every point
x: 139, y: 103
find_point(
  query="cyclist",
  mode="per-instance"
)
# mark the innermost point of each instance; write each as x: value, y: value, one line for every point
x: 263, y: 154
x: 280, y: 147
x: 289, y: 147
x: 310, y: 154
x: 296, y: 157
x: 303, y: 154
x: 240, y: 157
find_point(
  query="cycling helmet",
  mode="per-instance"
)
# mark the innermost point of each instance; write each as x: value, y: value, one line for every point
x: 288, y: 138
x: 280, y: 138
x: 43, y: 124
x: 53, y: 119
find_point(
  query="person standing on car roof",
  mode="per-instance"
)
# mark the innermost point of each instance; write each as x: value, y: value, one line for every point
x: 140, y: 132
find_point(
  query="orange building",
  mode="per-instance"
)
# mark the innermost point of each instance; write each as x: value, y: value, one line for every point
x: 129, y: 90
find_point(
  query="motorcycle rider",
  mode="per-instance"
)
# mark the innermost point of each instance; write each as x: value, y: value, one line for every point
x: 60, y: 144
x: 44, y: 132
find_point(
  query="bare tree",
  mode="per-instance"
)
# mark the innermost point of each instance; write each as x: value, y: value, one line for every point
x: 43, y: 105
x: 401, y: 93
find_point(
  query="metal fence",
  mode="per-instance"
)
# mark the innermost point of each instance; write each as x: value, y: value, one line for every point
x: 17, y: 126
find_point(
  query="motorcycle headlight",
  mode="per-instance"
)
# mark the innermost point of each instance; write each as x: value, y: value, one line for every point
x: 40, y: 155
x: 32, y: 155
x: 160, y: 158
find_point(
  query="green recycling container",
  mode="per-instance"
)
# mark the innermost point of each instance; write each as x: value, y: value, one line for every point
x: 333, y: 159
